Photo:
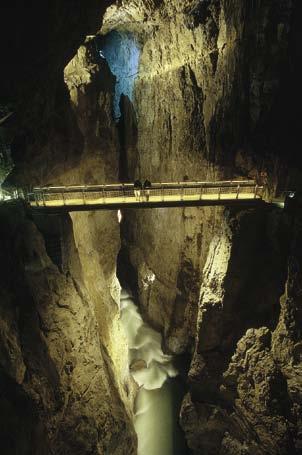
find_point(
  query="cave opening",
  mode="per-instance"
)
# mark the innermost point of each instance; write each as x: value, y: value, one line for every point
x: 121, y: 50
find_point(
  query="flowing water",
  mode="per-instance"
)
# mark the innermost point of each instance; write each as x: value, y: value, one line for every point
x: 158, y: 400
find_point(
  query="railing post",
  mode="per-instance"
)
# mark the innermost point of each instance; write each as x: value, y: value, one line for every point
x: 83, y: 195
x: 124, y: 193
x: 43, y: 197
x: 36, y: 199
x: 104, y: 198
x: 219, y: 191
x: 200, y: 194
x: 182, y: 192
x: 255, y: 192
x: 63, y: 197
x: 162, y: 192
x: 238, y: 189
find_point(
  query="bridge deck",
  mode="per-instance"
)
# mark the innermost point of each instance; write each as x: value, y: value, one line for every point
x: 112, y: 197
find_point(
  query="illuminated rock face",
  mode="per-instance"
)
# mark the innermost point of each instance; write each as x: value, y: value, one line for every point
x: 70, y: 366
x: 201, y: 113
x: 205, y: 105
x: 56, y: 356
x: 239, y: 397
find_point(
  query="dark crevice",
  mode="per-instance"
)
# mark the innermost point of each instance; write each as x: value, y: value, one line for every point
x: 20, y: 431
x: 126, y: 273
x: 50, y: 228
x: 127, y: 130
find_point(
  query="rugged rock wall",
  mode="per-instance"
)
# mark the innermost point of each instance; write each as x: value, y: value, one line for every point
x: 96, y: 234
x: 209, y: 74
x: 82, y: 397
x: 241, y: 398
x: 211, y: 89
x: 53, y: 355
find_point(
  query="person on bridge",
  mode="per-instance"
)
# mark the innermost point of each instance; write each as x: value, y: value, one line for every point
x: 147, y: 186
x: 263, y: 178
x: 137, y: 189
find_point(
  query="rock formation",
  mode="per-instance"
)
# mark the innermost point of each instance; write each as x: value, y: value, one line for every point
x: 70, y: 365
x: 54, y: 354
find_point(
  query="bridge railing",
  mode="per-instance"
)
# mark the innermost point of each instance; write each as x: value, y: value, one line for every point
x: 119, y: 193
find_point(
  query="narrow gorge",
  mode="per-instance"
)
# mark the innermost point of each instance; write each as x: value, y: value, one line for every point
x: 151, y: 329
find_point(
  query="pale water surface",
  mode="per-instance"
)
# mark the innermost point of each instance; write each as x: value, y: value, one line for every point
x: 158, y: 400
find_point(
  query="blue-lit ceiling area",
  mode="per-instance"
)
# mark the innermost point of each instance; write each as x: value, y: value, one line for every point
x: 122, y: 52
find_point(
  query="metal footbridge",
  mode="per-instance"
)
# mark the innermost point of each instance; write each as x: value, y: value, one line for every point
x: 54, y: 199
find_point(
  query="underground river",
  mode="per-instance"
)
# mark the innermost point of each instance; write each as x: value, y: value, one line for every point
x: 159, y: 397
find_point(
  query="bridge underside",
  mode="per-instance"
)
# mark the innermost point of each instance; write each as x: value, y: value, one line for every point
x: 70, y: 207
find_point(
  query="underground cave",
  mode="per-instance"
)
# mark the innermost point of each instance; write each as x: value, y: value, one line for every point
x: 151, y: 226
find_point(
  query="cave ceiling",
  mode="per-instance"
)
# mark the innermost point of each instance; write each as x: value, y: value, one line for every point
x: 141, y: 15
